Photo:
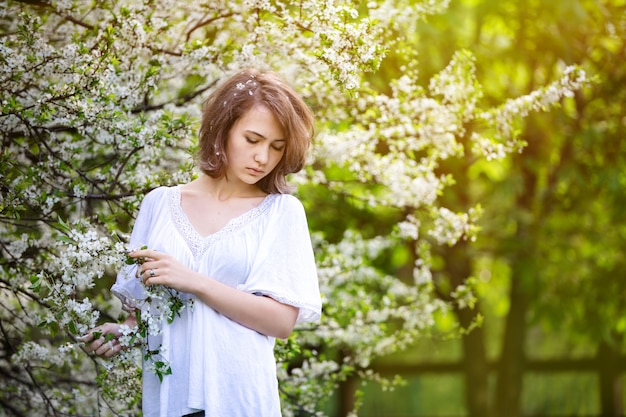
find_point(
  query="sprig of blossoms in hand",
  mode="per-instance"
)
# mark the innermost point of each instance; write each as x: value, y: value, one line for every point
x: 132, y: 261
x: 162, y: 304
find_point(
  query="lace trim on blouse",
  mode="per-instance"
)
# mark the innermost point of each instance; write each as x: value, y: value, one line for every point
x: 199, y: 244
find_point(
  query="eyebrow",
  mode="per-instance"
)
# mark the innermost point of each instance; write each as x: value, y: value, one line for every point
x: 261, y: 136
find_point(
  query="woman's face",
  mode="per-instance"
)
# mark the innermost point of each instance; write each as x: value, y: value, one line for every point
x: 256, y: 144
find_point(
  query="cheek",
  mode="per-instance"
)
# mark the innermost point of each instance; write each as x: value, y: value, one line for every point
x: 279, y: 158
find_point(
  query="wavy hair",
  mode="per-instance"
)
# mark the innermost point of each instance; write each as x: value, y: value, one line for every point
x: 233, y: 99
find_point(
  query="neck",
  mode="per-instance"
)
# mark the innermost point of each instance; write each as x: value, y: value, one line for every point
x: 223, y: 189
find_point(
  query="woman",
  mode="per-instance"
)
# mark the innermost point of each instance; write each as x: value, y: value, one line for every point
x: 235, y: 243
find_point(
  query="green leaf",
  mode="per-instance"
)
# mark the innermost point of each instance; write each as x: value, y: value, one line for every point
x: 35, y: 283
x: 62, y: 225
x: 65, y: 239
x: 162, y: 369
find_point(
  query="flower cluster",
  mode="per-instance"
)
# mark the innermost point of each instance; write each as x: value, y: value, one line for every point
x: 502, y: 119
x: 161, y: 305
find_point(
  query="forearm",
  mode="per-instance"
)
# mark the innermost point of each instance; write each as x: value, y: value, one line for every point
x: 263, y: 314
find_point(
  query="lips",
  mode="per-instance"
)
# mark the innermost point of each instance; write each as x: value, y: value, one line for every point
x: 255, y: 171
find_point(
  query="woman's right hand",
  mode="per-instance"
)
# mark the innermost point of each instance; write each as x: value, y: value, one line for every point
x: 103, y: 340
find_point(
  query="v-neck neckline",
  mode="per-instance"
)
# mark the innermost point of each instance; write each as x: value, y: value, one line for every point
x: 197, y: 242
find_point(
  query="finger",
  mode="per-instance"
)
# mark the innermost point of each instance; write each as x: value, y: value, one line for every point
x: 86, y: 338
x: 149, y: 273
x: 144, y: 253
x: 95, y: 347
x: 114, y: 350
x: 150, y: 264
x: 105, y: 348
x: 141, y: 272
x: 111, y: 349
x: 91, y: 335
x: 91, y: 347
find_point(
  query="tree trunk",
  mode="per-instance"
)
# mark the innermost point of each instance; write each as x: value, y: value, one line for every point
x: 347, y: 396
x: 476, y: 369
x: 512, y: 358
x: 524, y: 278
x: 475, y: 366
x: 610, y: 381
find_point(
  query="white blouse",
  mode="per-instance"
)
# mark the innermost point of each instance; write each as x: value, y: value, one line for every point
x: 218, y: 365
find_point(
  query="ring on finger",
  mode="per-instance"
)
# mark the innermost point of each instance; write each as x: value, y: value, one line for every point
x: 152, y: 273
x: 111, y: 346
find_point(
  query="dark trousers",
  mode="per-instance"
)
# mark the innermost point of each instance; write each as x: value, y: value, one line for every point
x: 196, y: 414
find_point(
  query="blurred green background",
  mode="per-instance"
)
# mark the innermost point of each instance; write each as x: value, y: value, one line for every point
x: 548, y: 266
x: 549, y: 263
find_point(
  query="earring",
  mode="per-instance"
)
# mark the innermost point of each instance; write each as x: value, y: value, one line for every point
x: 217, y: 153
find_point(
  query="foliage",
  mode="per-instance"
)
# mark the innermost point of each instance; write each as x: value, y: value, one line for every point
x: 573, y: 162
x: 100, y: 103
x: 553, y: 221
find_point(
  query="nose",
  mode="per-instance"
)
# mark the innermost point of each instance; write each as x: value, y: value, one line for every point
x: 262, y: 155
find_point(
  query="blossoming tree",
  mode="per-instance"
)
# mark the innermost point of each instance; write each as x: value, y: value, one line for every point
x: 100, y: 103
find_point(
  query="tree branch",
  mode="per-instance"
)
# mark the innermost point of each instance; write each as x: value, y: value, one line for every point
x: 205, y: 22
x: 178, y: 101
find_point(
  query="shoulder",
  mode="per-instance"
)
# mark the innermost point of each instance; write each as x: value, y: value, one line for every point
x: 286, y: 208
x: 158, y: 193
x: 286, y: 202
x: 157, y: 196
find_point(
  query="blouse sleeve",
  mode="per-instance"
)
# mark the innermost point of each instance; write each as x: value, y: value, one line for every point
x: 127, y: 286
x: 284, y: 267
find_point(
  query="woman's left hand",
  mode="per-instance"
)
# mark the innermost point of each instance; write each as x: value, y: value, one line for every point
x: 161, y: 268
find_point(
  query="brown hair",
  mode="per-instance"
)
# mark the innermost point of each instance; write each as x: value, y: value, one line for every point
x: 236, y: 96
